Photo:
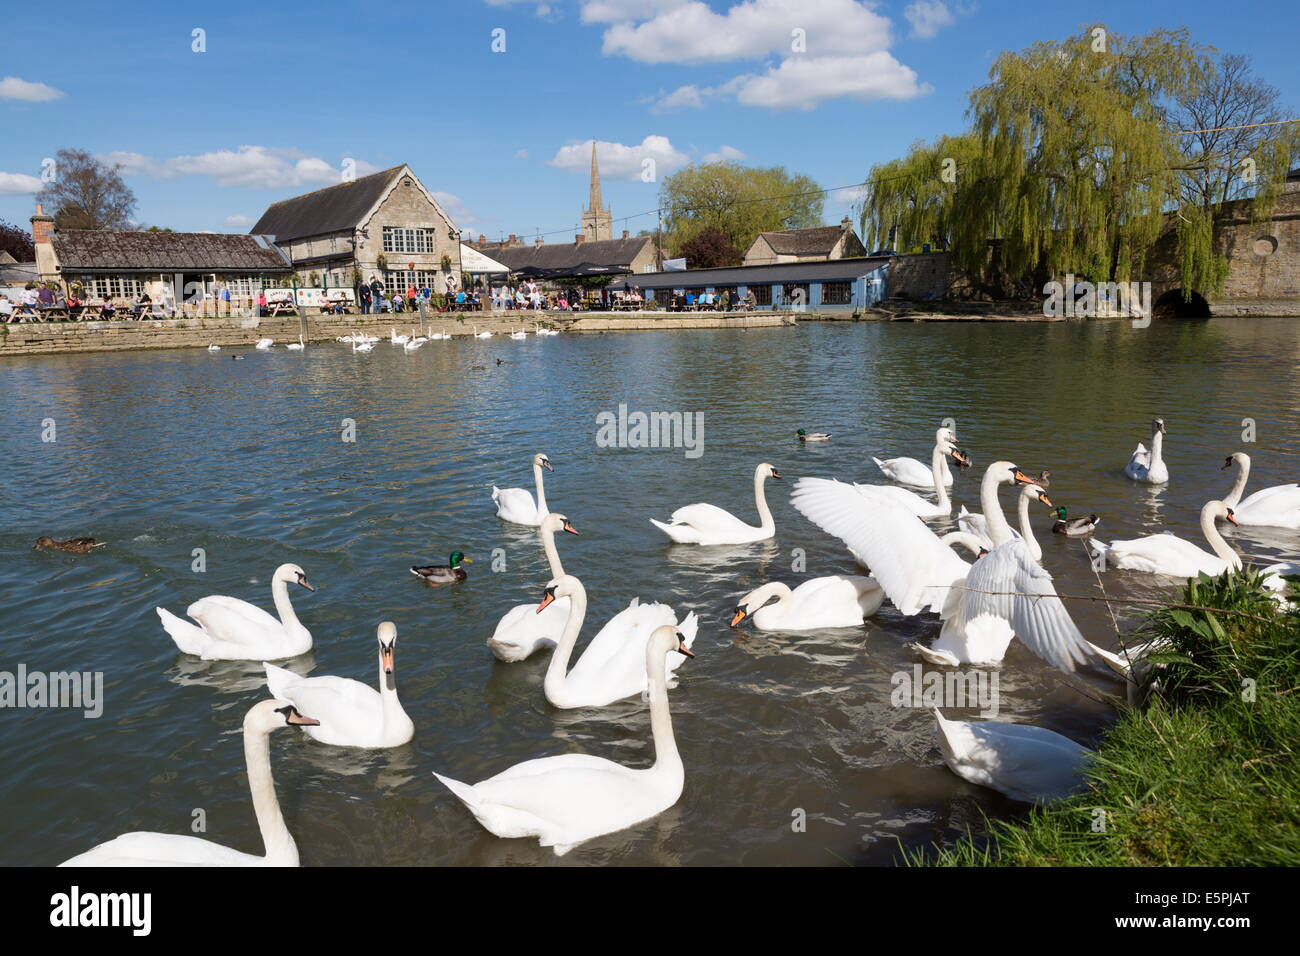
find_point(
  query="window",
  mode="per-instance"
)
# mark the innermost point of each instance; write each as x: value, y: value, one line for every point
x: 407, y: 240
x: 725, y: 289
x: 114, y: 287
x: 397, y: 281
x: 795, y: 294
x: 837, y: 293
x: 762, y: 294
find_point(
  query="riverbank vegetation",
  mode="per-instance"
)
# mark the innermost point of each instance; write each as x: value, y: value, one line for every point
x: 1203, y: 772
x: 1081, y: 155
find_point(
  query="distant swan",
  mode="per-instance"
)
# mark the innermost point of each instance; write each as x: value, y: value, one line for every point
x: 568, y: 799
x: 516, y: 505
x: 709, y: 524
x: 167, y: 849
x: 1149, y: 466
x: 265, y: 343
x: 350, y: 713
x: 233, y: 630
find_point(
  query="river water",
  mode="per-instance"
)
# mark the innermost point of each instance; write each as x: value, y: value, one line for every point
x: 161, y: 453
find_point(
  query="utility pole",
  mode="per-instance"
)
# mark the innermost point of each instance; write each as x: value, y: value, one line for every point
x: 659, y: 242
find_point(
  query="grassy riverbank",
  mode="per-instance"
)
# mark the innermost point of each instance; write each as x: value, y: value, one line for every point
x: 1204, y: 773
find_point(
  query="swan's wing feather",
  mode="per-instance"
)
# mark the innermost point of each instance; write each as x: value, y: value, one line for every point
x: 907, y: 559
x: 615, y: 658
x: 1008, y: 583
x: 232, y: 620
x: 707, y: 518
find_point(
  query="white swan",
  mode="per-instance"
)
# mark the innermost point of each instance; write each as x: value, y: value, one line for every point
x: 1168, y: 554
x: 1149, y: 466
x: 977, y: 524
x: 909, y: 471
x: 709, y: 524
x: 516, y: 505
x: 396, y: 339
x: 214, y: 348
x: 922, y: 507
x: 234, y: 630
x: 1021, y: 761
x: 1274, y: 507
x: 297, y: 346
x: 412, y: 344
x: 168, y: 849
x: 568, y: 799
x: 265, y: 344
x: 521, y: 334
x: 611, y: 667
x: 522, y: 630
x: 837, y: 600
x: 350, y: 713
x: 362, y: 346
x: 481, y: 335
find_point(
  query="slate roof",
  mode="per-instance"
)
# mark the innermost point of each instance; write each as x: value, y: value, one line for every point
x: 331, y: 209
x: 566, y: 255
x: 831, y: 270
x: 106, y: 250
x: 819, y: 240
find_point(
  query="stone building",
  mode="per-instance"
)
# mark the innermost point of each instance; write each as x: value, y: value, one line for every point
x: 597, y: 223
x: 386, y: 224
x: 818, y: 244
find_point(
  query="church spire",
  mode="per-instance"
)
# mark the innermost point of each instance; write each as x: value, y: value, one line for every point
x: 594, y: 202
x: 596, y: 222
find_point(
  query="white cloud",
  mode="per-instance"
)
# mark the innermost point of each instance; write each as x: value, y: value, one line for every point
x: 725, y: 154
x: 254, y: 167
x: 455, y: 207
x: 803, y: 82
x: 521, y: 154
x: 618, y: 161
x: 928, y: 17
x: 12, y: 88
x: 684, y: 97
x: 693, y: 33
x: 240, y: 223
x: 624, y: 11
x: 18, y: 184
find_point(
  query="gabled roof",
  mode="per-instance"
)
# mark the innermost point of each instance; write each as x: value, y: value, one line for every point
x: 830, y: 270
x: 108, y: 250
x: 803, y: 242
x: 331, y: 209
x: 566, y: 255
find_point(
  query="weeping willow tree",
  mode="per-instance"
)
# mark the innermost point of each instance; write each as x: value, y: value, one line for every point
x: 1072, y: 164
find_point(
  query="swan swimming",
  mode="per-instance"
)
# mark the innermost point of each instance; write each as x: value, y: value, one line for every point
x: 709, y: 524
x: 350, y: 713
x: 837, y: 600
x: 1174, y: 556
x: 921, y: 507
x: 1149, y: 466
x: 233, y: 630
x: 909, y: 471
x: 568, y: 799
x: 1020, y: 761
x: 516, y: 505
x: 166, y: 849
x: 1276, y: 507
x: 522, y: 630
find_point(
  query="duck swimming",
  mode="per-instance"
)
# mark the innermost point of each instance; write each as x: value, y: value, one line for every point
x: 72, y: 545
x: 1074, y: 527
x: 813, y: 436
x: 448, y: 573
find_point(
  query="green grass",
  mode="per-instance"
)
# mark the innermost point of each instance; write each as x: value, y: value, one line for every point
x: 1200, y: 774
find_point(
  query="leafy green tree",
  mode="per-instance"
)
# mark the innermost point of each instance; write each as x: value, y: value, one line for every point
x: 737, y: 201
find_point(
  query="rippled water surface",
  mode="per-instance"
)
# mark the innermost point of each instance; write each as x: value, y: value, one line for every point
x: 160, y: 453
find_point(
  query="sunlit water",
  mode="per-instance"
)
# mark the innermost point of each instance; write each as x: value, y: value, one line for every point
x: 160, y: 453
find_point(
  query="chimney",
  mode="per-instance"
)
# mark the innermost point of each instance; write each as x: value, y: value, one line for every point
x: 47, y: 264
x: 512, y: 240
x: 481, y: 238
x: 538, y: 241
x: 624, y: 233
x: 42, y: 226
x: 579, y: 238
x: 846, y: 224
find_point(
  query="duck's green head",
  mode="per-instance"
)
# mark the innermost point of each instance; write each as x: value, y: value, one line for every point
x: 801, y: 432
x: 457, y: 557
x: 1060, y: 512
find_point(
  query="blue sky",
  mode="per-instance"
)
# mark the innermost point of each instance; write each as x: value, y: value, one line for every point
x: 286, y: 92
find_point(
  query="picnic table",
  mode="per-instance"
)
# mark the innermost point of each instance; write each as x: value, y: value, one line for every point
x: 281, y: 307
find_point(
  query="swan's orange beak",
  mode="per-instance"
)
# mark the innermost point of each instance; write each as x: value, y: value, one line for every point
x: 1021, y: 478
x: 1042, y: 496
x: 1231, y: 517
x: 301, y: 720
x: 776, y: 474
x: 387, y: 655
x: 738, y: 616
x: 568, y: 526
x: 547, y: 598
x: 960, y: 457
x: 547, y: 465
x: 681, y: 646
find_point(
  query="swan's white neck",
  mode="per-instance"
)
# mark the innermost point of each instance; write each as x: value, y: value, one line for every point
x: 968, y: 541
x: 394, y: 715
x: 1217, y: 544
x: 777, y: 589
x: 541, y: 490
x: 1157, y: 447
x: 1233, y: 497
x: 558, y: 669
x: 996, y: 523
x: 283, y: 606
x: 937, y: 469
x: 280, y: 848
x: 552, y: 554
x: 1026, y: 530
x: 765, y: 522
x: 667, y: 760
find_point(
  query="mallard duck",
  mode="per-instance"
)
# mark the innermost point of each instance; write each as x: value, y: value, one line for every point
x: 74, y: 545
x: 813, y: 436
x: 444, y: 573
x: 1074, y: 527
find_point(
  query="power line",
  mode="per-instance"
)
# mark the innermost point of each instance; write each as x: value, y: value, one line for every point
x: 1224, y: 129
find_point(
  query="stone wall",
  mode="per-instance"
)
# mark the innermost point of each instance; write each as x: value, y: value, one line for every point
x: 922, y: 277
